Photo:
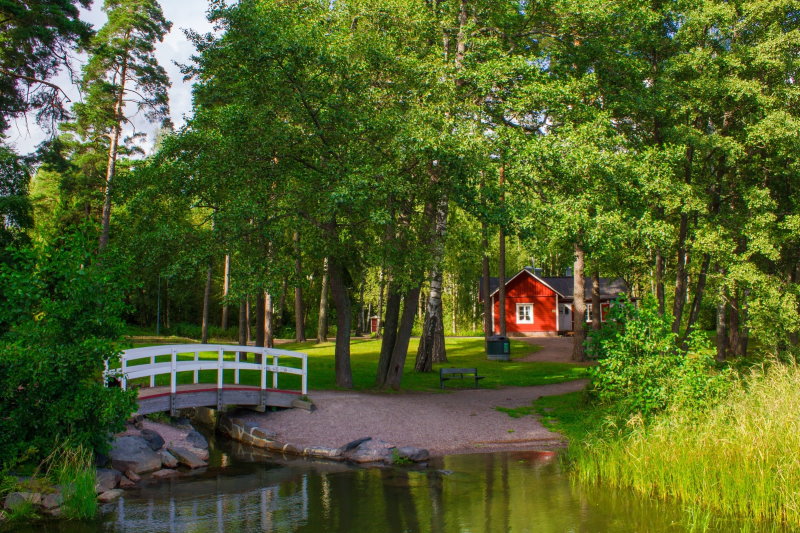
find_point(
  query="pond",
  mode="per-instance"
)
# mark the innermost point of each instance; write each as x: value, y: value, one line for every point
x: 249, y: 490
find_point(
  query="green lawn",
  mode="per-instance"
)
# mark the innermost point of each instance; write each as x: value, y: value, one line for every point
x: 461, y: 352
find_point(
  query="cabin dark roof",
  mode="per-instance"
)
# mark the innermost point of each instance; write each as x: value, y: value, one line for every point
x: 609, y: 287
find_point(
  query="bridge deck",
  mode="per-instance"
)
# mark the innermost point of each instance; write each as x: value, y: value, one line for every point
x: 155, y: 399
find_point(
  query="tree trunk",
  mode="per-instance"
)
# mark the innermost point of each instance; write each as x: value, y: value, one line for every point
x: 697, y: 301
x: 389, y: 338
x: 282, y: 318
x: 243, y: 327
x: 488, y: 325
x: 299, y: 322
x: 579, y: 305
x: 393, y: 356
x: 680, y: 276
x: 431, y: 343
x: 501, y: 283
x: 360, y: 320
x: 226, y: 286
x: 596, y: 310
x: 322, y: 323
x: 206, y: 302
x: 261, y: 321
x: 341, y: 301
x: 113, y: 149
x: 660, y: 282
x: 269, y: 321
x: 501, y: 276
x: 166, y: 303
x: 381, y: 290
x: 248, y: 319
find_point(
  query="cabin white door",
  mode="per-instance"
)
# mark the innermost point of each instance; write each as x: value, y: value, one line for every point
x: 564, y: 316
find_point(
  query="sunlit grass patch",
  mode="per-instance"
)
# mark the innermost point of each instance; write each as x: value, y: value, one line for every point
x: 364, y: 354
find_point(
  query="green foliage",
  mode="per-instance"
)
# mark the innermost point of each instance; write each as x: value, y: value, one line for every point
x: 642, y: 369
x: 35, y: 37
x: 59, y: 320
x: 15, y: 206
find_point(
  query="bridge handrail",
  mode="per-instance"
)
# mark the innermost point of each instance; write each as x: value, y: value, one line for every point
x: 173, y: 366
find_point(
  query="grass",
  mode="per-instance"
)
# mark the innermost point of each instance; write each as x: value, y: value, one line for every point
x: 738, y: 459
x: 461, y: 352
x: 72, y: 468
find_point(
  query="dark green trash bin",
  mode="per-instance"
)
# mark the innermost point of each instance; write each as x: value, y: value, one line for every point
x: 498, y: 348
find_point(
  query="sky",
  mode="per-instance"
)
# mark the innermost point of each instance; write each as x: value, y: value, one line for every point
x: 25, y: 135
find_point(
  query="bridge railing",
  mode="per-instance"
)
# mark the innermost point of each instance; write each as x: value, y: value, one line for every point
x: 270, y: 364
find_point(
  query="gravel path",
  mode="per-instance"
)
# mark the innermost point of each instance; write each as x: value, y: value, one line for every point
x: 462, y: 421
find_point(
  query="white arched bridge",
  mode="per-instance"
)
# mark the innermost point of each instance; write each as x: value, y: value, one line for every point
x: 173, y: 377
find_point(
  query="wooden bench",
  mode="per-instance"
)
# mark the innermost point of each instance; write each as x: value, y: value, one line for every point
x: 453, y: 373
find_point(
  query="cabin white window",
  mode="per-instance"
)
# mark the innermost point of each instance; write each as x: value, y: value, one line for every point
x: 587, y: 315
x: 524, y: 313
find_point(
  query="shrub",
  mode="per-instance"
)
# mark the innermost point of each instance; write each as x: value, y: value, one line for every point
x: 59, y: 321
x: 642, y: 369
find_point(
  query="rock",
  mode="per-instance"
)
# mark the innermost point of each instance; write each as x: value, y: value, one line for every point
x: 15, y: 499
x: 132, y: 476
x: 135, y: 454
x: 201, y: 453
x: 137, y: 421
x: 168, y: 460
x: 247, y: 432
x: 323, y: 452
x: 413, y: 454
x: 165, y: 472
x: 308, y: 405
x: 154, y: 440
x: 197, y: 440
x: 354, y: 444
x: 106, y: 479
x: 186, y: 457
x: 109, y: 496
x: 101, y: 460
x: 182, y: 423
x: 371, y: 451
x: 126, y: 483
x: 52, y: 501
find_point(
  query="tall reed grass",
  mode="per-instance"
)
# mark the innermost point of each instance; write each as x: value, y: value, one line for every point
x: 73, y: 469
x: 741, y: 458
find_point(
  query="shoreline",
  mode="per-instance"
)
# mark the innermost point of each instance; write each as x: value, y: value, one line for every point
x: 459, y: 421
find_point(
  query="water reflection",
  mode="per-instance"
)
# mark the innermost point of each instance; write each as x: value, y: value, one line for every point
x: 507, y: 492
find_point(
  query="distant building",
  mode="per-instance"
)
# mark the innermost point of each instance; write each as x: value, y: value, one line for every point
x: 541, y: 306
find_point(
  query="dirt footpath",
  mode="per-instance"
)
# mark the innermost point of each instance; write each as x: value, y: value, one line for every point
x: 462, y: 421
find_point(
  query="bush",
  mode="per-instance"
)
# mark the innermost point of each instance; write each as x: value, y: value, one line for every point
x: 59, y: 321
x: 642, y: 369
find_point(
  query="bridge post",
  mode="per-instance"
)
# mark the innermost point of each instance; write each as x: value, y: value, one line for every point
x: 304, y: 386
x: 263, y: 378
x: 196, y: 372
x: 275, y: 374
x: 219, y: 377
x: 173, y: 382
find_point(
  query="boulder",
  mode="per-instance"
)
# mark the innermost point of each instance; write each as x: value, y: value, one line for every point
x: 135, y: 454
x: 154, y: 440
x: 106, y: 479
x: 186, y: 457
x: 132, y: 476
x: 126, y: 483
x: 182, y: 423
x: 354, y: 444
x: 371, y: 451
x: 164, y: 472
x: 109, y: 496
x: 411, y: 453
x: 15, y: 499
x: 168, y: 460
x: 197, y: 440
x: 52, y: 501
